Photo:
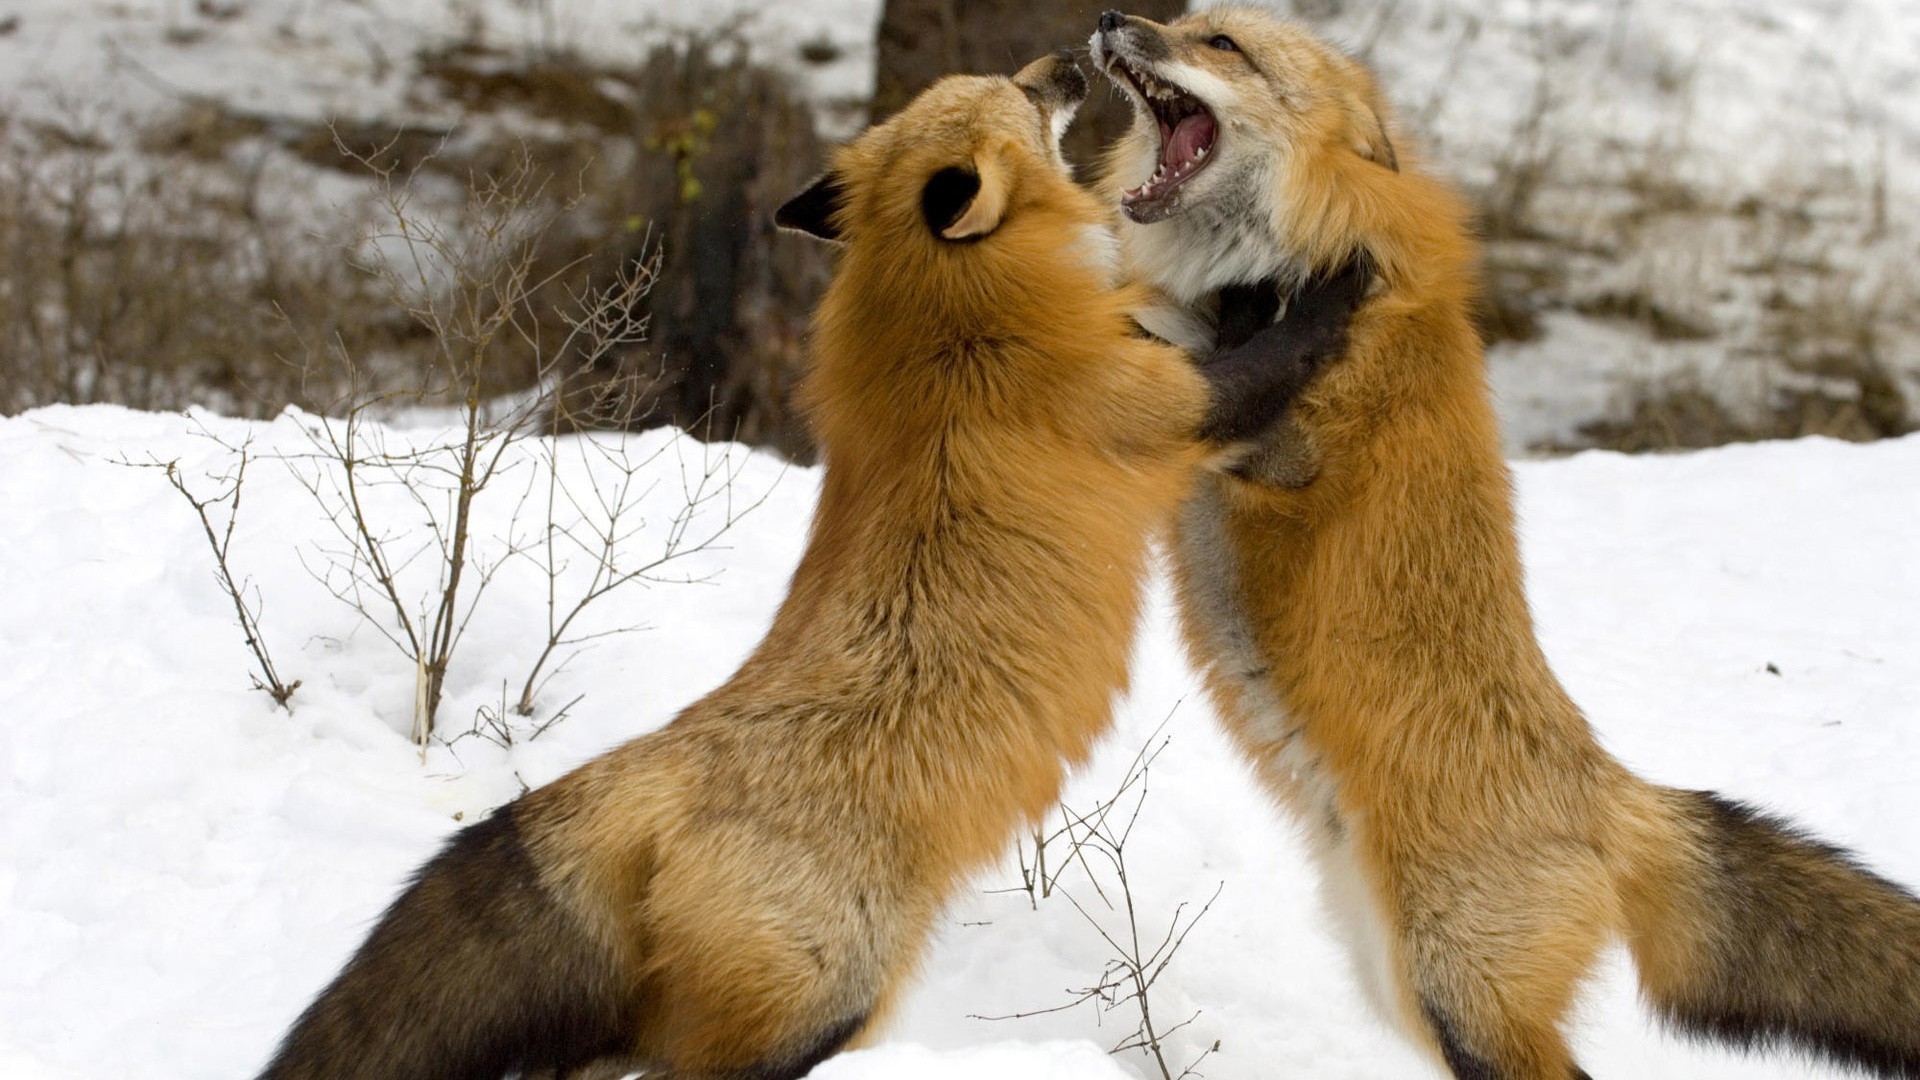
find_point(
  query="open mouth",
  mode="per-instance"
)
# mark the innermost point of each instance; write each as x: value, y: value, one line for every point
x: 1187, y: 131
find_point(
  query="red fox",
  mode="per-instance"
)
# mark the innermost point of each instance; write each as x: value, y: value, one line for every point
x: 744, y: 892
x: 1354, y: 597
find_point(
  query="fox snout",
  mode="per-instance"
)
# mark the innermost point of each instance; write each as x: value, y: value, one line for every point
x: 1138, y: 39
x: 1056, y: 81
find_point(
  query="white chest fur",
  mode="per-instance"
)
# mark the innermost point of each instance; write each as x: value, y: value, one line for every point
x: 1282, y: 749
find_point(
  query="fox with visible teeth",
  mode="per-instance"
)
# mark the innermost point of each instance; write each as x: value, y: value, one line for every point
x: 742, y: 893
x: 1358, y: 609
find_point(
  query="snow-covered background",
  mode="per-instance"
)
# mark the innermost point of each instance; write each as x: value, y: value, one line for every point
x: 1705, y: 195
x: 1693, y: 204
x: 182, y: 865
x: 349, y: 59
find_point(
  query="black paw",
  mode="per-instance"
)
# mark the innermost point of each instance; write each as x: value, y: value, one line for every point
x: 1258, y: 369
x: 1324, y: 306
x: 1245, y: 310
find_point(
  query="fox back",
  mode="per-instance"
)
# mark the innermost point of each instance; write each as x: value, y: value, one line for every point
x: 742, y: 893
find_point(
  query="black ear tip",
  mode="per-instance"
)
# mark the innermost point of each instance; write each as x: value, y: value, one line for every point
x: 789, y: 215
x: 813, y: 210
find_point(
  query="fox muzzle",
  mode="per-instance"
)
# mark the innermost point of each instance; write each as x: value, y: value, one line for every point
x: 1053, y: 81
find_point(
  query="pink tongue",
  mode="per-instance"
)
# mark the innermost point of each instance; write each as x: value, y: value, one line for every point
x: 1194, y: 134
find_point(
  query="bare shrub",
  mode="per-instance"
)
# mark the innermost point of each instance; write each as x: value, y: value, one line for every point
x: 681, y: 159
x: 468, y: 286
x: 1095, y: 841
x: 591, y: 520
x: 405, y: 554
x: 220, y: 543
x: 176, y: 275
x: 155, y: 284
x: 218, y: 513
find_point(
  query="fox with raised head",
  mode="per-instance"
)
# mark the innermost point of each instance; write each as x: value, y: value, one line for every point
x: 742, y: 893
x: 1354, y: 596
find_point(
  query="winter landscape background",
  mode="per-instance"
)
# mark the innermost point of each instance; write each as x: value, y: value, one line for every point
x: 1701, y: 222
x: 1701, y: 214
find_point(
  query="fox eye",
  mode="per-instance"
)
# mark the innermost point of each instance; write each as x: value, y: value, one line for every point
x: 1223, y: 43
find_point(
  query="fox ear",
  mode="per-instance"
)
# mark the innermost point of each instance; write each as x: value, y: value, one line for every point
x: 813, y: 210
x: 964, y: 205
x: 1370, y: 138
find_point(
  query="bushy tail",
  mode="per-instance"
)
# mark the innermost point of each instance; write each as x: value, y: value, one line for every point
x: 474, y: 972
x: 1761, y: 937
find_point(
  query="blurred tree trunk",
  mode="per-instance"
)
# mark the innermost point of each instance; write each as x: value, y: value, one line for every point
x: 921, y: 40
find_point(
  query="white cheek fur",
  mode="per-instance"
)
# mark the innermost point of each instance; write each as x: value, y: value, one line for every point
x: 1061, y: 120
x: 1099, y: 249
x: 1193, y: 253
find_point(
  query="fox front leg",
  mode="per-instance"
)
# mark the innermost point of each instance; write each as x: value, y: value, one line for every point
x: 1254, y: 380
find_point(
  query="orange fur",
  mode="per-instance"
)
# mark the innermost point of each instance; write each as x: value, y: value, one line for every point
x: 1365, y: 632
x: 754, y: 883
x: 957, y: 628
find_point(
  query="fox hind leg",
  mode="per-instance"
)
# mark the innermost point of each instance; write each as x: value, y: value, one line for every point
x: 791, y: 1067
x: 1493, y: 959
x: 1541, y: 1059
x: 828, y: 1043
x: 768, y: 984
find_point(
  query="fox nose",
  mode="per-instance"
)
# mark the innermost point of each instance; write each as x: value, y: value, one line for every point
x: 1110, y: 21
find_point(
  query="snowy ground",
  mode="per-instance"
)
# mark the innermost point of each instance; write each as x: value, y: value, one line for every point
x: 182, y: 865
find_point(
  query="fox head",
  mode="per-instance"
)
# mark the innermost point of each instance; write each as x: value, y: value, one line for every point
x: 970, y: 262
x: 1251, y: 142
x: 950, y: 166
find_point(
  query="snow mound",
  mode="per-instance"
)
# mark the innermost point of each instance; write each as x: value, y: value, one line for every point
x: 1056, y: 1060
x: 182, y: 865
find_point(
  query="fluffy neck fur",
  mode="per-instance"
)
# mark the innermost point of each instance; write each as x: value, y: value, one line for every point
x: 994, y: 467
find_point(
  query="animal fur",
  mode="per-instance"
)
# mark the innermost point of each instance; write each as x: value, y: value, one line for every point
x: 744, y: 892
x: 1364, y: 629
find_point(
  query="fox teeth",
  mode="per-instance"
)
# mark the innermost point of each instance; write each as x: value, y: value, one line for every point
x: 1200, y: 154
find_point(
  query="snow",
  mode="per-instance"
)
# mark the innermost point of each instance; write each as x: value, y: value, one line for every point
x: 1733, y: 162
x: 1054, y: 1060
x: 182, y: 865
x: 323, y: 60
x: 1752, y: 168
